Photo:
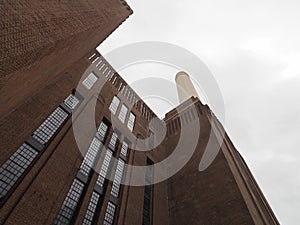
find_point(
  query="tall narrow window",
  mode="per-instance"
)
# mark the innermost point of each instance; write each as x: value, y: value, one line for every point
x: 104, y: 168
x: 90, y: 213
x: 109, y: 214
x: 102, y: 131
x: 90, y: 80
x: 147, y: 212
x: 113, y: 141
x: 123, y: 113
x: 70, y: 203
x: 14, y: 167
x: 90, y: 156
x: 124, y: 149
x: 48, y: 128
x: 114, y: 105
x: 118, y: 177
x: 131, y: 120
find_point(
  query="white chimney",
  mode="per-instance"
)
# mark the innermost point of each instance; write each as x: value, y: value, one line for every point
x: 185, y: 87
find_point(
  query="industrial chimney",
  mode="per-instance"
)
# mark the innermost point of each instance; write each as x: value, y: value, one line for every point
x: 185, y: 87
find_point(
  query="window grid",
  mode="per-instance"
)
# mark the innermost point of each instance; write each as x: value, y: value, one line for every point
x: 114, y: 105
x: 90, y: 80
x: 102, y: 130
x: 14, y: 167
x: 90, y: 156
x: 124, y: 149
x: 123, y: 113
x: 131, y: 121
x: 71, y: 101
x: 89, y: 215
x: 109, y: 214
x: 118, y: 177
x: 113, y: 141
x: 104, y: 168
x: 69, y: 205
x: 48, y: 128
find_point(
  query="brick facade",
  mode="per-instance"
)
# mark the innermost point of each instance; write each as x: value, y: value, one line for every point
x: 36, y: 79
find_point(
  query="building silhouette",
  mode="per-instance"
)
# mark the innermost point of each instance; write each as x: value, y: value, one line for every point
x: 50, y: 78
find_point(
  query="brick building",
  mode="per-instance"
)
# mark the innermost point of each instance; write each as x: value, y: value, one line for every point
x: 50, y: 78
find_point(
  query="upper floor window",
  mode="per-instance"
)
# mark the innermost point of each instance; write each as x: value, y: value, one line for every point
x: 90, y: 80
x: 123, y: 113
x: 102, y: 130
x: 124, y: 149
x: 71, y: 101
x: 131, y: 120
x: 114, y: 105
x: 50, y: 126
x: 15, y: 167
x: 91, y: 210
x: 118, y: 178
x: 109, y: 214
x: 70, y: 203
x: 90, y: 156
x: 113, y: 141
x: 104, y: 168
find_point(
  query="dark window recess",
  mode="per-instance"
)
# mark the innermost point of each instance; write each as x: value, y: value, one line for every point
x: 91, y: 210
x: 70, y: 203
x: 147, y: 210
x: 15, y: 167
x: 49, y: 127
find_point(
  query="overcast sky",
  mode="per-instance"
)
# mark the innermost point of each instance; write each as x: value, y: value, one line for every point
x: 253, y: 50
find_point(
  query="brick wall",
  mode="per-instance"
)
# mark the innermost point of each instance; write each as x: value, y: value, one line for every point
x: 40, y: 39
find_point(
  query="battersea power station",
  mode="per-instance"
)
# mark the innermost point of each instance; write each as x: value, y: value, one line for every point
x: 79, y: 146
